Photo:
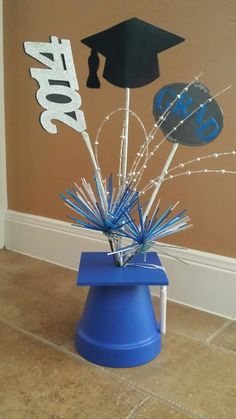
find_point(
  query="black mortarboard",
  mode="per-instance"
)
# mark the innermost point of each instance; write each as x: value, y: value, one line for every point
x: 130, y: 49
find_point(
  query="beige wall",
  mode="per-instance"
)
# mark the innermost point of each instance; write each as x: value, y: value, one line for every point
x: 3, y: 186
x: 41, y: 165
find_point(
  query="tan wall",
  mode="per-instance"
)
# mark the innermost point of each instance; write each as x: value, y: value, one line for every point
x: 41, y: 165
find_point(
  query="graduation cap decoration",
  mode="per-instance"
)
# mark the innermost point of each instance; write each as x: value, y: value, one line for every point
x: 196, y: 115
x: 130, y: 49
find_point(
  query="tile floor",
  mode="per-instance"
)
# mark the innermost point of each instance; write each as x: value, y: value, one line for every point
x: 41, y: 376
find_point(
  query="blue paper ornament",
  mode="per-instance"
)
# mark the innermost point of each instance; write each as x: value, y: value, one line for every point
x: 195, y: 119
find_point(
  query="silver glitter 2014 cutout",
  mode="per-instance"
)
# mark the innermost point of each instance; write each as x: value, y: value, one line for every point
x: 58, y: 84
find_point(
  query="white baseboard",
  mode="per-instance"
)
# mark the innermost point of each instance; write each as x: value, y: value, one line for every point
x: 206, y: 281
x: 2, y: 229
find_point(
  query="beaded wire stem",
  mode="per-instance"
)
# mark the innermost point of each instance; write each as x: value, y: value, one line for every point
x: 190, y: 172
x: 157, y: 184
x: 106, y: 119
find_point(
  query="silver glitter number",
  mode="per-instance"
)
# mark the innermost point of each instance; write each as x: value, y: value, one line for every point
x: 58, y: 84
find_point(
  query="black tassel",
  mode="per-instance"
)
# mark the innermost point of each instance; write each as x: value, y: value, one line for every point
x: 93, y: 63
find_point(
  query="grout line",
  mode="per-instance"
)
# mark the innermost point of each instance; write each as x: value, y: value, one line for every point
x: 205, y: 342
x: 107, y: 371
x: 46, y: 342
x: 218, y: 331
x: 170, y: 402
x: 180, y: 408
x: 185, y: 335
x: 223, y: 349
x: 137, y: 407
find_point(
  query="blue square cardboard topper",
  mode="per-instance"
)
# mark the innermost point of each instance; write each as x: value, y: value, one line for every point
x: 98, y: 269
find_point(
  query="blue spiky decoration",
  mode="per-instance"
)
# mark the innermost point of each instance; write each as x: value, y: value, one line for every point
x: 115, y: 218
x: 108, y: 218
x: 145, y: 232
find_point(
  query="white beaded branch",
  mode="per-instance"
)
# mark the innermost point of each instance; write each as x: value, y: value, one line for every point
x: 157, y: 184
x: 197, y: 159
x: 106, y: 119
x: 156, y: 127
x: 189, y: 172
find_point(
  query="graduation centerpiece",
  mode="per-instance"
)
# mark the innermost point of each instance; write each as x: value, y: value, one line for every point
x: 118, y: 327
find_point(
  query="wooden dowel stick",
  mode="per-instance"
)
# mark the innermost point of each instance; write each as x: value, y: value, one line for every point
x: 160, y: 180
x: 126, y: 135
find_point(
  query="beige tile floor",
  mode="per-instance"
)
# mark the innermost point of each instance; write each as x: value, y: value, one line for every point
x: 41, y: 376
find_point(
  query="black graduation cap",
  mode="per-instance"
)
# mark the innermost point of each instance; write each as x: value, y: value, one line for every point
x: 130, y: 49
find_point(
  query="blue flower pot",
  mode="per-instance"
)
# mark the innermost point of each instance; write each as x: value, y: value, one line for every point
x: 118, y: 327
